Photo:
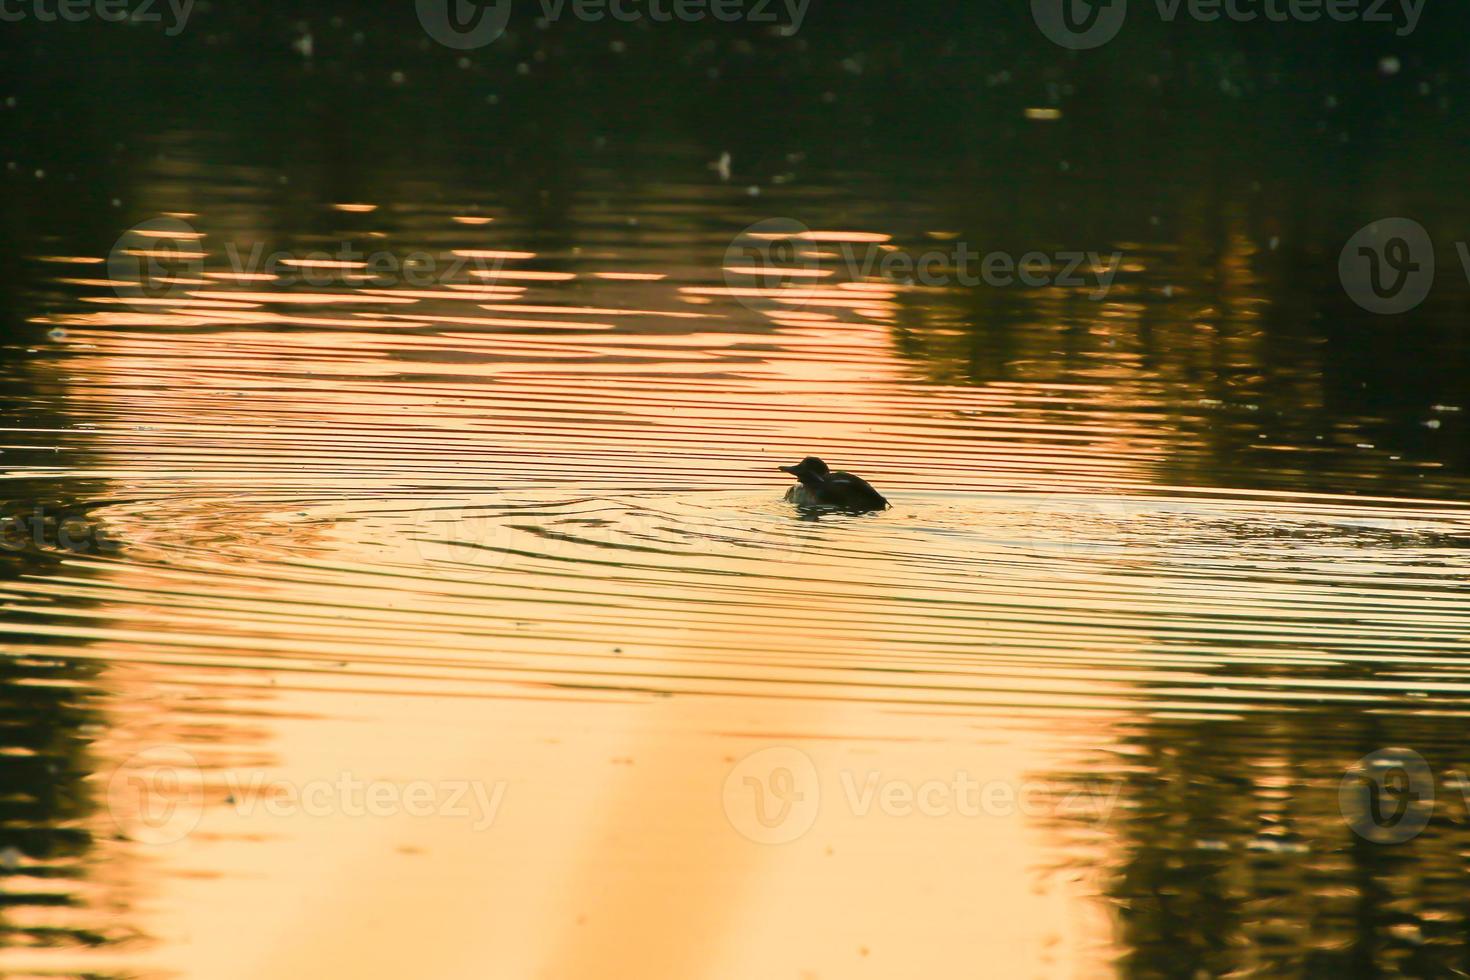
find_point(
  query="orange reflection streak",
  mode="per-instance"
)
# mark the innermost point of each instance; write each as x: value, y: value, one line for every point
x: 590, y: 311
x: 800, y: 316
x: 97, y: 283
x: 166, y: 253
x: 300, y: 298
x: 844, y: 236
x: 471, y: 293
x: 784, y: 293
x: 483, y: 289
x: 484, y: 253
x: 323, y: 264
x: 202, y: 303
x: 356, y: 321
x: 242, y: 276
x: 491, y: 321
x: 523, y: 274
x: 795, y: 273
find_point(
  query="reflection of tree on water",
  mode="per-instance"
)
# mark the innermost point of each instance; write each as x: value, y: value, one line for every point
x: 47, y: 801
x: 56, y: 869
x: 1235, y: 848
x: 1229, y: 317
x: 1229, y: 853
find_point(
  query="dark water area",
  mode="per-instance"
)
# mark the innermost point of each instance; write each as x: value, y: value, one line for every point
x: 1185, y: 545
x: 1233, y: 164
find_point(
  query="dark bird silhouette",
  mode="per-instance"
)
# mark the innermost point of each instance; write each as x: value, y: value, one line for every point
x: 822, y: 487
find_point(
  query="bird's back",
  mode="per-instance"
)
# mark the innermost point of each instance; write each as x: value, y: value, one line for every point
x: 847, y: 489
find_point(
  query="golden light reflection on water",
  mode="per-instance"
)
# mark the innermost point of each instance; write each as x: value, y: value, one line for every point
x: 544, y: 550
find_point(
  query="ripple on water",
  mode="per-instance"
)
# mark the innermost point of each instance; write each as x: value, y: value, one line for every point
x: 1062, y: 600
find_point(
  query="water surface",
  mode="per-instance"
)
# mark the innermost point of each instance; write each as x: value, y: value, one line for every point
x: 1164, y: 563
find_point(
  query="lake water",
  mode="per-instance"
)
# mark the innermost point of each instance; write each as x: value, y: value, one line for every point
x: 446, y: 618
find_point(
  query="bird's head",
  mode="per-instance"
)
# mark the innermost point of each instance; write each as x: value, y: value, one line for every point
x: 809, y: 471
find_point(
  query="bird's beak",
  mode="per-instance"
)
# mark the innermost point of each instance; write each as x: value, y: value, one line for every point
x: 787, y: 469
